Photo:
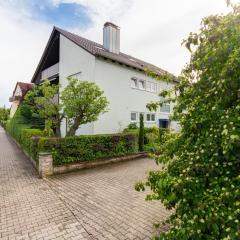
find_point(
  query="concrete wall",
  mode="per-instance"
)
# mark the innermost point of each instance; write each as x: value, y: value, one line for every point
x: 115, y: 80
x: 14, y: 108
x: 15, y: 104
x: 73, y: 59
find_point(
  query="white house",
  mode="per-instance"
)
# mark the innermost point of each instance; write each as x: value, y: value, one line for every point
x: 121, y: 77
x: 19, y: 92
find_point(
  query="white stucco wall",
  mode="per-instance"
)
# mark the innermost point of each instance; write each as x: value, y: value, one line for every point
x: 13, y: 108
x: 15, y: 104
x: 115, y: 80
x: 73, y: 59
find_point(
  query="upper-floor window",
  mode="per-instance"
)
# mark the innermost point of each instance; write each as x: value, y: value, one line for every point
x: 153, y: 87
x: 134, y: 82
x: 165, y: 108
x: 142, y: 84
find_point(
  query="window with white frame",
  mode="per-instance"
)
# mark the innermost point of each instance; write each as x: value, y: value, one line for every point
x: 151, y: 117
x: 134, y: 82
x: 133, y: 116
x: 148, y: 86
x: 142, y: 84
x: 153, y: 87
x: 165, y: 108
x: 76, y: 76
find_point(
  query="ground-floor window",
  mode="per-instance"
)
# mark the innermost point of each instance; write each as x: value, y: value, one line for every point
x: 147, y: 117
x: 151, y: 117
x: 164, y: 123
x: 133, y: 116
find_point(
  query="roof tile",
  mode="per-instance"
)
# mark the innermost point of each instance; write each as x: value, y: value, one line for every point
x: 98, y: 50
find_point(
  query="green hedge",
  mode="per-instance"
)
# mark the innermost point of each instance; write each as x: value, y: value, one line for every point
x: 19, y: 128
x: 28, y: 143
x: 88, y: 148
x: 15, y: 125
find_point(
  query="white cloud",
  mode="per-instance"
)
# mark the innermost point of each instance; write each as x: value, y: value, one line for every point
x: 21, y: 44
x: 151, y: 30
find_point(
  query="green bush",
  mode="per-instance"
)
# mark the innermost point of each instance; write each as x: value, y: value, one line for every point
x: 15, y: 125
x: 27, y: 141
x: 4, y: 115
x: 201, y: 178
x: 130, y: 130
x: 88, y: 148
x: 132, y: 126
x: 21, y: 130
x: 152, y: 136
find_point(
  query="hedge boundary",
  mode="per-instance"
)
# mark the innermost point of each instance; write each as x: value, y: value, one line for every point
x: 86, y: 148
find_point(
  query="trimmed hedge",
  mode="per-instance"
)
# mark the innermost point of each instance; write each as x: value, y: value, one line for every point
x: 28, y: 143
x: 88, y: 147
x: 22, y: 132
x: 70, y: 149
x: 15, y: 125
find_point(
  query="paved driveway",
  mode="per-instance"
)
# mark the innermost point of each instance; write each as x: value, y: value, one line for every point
x: 99, y: 203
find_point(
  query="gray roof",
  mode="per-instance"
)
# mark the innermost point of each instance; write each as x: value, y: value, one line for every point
x: 98, y: 50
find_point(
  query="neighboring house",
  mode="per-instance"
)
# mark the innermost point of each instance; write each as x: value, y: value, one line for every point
x: 121, y: 77
x: 19, y: 92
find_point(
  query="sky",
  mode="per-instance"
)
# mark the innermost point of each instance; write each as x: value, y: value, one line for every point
x: 151, y: 30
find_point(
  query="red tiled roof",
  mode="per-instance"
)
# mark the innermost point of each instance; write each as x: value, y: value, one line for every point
x: 25, y: 87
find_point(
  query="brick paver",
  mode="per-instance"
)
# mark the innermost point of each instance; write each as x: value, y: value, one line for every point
x: 105, y: 202
x: 29, y: 209
x: 98, y: 203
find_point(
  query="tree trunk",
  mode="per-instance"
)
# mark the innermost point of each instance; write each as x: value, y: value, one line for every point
x: 58, y: 131
x: 72, y: 130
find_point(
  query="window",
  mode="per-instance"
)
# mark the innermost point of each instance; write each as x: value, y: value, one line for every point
x: 164, y: 123
x: 133, y: 117
x: 142, y: 84
x: 134, y: 83
x: 153, y: 87
x: 148, y: 86
x: 165, y: 108
x: 76, y: 76
x: 151, y: 117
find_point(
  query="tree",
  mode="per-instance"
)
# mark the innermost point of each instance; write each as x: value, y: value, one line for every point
x: 43, y: 102
x: 141, y: 134
x: 83, y: 102
x: 200, y: 179
x: 4, y: 115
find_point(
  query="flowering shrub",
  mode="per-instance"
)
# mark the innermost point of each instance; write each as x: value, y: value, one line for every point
x: 201, y: 175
